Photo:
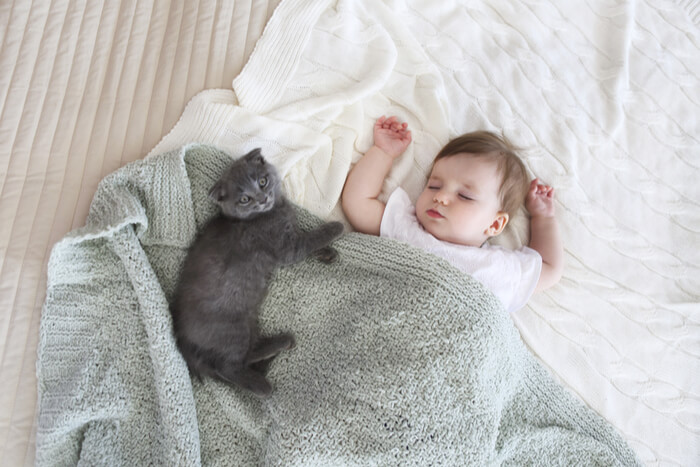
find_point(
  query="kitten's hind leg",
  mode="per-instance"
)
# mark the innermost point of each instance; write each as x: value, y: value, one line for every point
x: 246, y: 378
x: 262, y: 366
x: 268, y: 347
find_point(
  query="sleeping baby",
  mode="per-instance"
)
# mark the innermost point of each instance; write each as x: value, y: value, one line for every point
x: 476, y: 185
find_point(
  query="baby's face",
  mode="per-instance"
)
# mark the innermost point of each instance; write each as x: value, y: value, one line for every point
x: 459, y: 204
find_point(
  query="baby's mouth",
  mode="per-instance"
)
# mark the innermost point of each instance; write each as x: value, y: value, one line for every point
x: 434, y: 214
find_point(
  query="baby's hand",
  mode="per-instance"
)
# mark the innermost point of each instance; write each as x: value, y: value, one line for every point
x: 391, y: 136
x: 540, y: 200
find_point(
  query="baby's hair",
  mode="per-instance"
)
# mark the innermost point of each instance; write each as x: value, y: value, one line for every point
x: 514, y: 178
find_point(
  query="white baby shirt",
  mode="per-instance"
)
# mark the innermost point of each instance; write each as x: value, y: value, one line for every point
x: 510, y: 274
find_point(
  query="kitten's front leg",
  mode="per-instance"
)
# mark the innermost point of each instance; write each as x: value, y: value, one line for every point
x: 317, y: 239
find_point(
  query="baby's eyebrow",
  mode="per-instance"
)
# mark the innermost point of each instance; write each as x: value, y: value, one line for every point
x: 470, y: 187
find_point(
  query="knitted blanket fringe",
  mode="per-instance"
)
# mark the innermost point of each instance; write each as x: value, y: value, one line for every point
x: 400, y: 359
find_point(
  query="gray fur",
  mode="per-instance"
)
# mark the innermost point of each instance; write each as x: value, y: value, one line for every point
x: 226, y: 271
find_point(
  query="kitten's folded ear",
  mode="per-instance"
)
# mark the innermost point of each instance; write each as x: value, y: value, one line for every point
x: 255, y: 156
x: 218, y: 192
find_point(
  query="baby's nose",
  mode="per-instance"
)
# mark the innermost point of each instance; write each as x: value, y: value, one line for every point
x: 441, y: 197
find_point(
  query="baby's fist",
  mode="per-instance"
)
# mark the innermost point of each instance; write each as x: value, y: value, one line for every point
x: 391, y: 136
x: 540, y: 200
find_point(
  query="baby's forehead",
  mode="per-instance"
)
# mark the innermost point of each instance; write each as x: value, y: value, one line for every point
x: 467, y: 162
x: 470, y: 169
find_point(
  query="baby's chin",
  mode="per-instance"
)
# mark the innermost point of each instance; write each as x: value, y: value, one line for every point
x: 431, y: 228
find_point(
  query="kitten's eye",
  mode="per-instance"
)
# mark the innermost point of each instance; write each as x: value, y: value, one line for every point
x: 263, y: 182
x: 244, y: 200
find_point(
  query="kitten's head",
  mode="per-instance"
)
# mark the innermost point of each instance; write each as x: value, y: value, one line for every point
x: 249, y: 187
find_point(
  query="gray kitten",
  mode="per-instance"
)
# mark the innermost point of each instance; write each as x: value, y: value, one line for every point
x: 226, y: 271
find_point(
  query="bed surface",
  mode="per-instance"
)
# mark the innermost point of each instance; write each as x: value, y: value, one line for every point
x: 87, y: 87
x: 609, y: 112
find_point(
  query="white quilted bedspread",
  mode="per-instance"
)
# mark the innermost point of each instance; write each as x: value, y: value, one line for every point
x: 85, y: 87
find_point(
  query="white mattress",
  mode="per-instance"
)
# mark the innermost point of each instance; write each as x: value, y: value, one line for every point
x: 605, y: 95
x: 85, y: 88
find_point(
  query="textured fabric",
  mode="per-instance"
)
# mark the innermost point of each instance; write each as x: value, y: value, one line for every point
x: 511, y: 275
x: 599, y: 95
x: 400, y: 360
x: 86, y: 87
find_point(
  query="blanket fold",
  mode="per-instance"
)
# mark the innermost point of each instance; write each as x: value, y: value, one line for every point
x: 400, y: 359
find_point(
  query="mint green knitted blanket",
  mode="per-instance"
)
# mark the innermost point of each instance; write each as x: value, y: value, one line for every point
x: 400, y: 359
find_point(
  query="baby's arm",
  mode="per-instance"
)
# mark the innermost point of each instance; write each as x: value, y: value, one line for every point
x: 544, y: 233
x: 365, y: 180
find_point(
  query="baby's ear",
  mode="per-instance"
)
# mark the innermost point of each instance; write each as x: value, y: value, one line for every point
x: 218, y: 192
x: 255, y: 156
x: 498, y: 224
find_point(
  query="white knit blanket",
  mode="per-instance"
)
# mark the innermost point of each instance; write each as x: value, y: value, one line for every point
x: 603, y: 97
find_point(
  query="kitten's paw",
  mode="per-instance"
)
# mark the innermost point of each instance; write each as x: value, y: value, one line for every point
x: 286, y: 341
x: 327, y: 254
x: 261, y: 388
x: 268, y: 347
x: 292, y: 342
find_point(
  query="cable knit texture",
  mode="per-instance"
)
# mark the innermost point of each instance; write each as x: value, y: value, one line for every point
x: 400, y: 359
x: 601, y: 96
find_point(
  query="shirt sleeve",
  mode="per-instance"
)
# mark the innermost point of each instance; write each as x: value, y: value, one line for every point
x: 530, y: 266
x: 398, y: 208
